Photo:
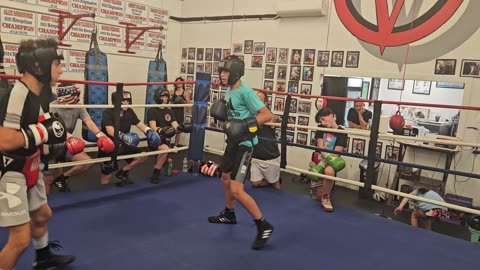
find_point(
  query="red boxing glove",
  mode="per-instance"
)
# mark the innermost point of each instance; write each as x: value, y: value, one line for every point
x: 74, y: 145
x: 104, y: 143
x: 316, y: 157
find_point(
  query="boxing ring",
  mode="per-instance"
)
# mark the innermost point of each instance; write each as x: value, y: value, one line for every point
x: 165, y: 226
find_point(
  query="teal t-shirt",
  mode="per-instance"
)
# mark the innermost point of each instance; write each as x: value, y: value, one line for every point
x: 242, y: 102
x: 432, y: 195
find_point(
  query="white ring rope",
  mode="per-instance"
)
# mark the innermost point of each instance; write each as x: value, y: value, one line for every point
x: 121, y: 157
x: 92, y: 106
x: 361, y: 184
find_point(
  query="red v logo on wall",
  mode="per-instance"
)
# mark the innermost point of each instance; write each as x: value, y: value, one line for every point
x: 385, y: 33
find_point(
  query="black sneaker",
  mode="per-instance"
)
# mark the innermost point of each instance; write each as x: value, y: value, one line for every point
x: 53, y: 261
x: 61, y: 182
x: 124, y: 179
x: 224, y: 217
x: 265, y: 230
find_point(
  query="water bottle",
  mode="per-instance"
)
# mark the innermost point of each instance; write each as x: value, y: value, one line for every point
x: 185, y: 165
x: 169, y: 166
x: 196, y: 167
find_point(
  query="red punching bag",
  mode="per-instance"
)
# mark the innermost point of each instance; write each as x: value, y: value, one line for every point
x: 397, y: 122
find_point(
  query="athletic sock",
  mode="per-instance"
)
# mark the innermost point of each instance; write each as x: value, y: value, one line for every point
x: 41, y: 247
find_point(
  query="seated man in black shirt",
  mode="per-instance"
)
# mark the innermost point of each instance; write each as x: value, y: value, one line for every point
x: 263, y: 174
x: 358, y: 116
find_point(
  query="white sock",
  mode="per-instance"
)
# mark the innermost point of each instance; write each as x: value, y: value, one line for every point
x: 41, y: 242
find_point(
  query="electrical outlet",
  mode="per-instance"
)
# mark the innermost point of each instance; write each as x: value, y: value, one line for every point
x: 476, y: 151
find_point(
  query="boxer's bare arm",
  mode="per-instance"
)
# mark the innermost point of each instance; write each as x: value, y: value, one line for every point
x: 12, y: 139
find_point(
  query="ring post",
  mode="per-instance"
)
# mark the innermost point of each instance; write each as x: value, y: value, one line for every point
x: 370, y: 180
x: 117, y: 108
x: 199, y: 116
x: 283, y: 132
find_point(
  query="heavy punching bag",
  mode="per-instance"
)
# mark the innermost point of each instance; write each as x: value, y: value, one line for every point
x: 96, y: 69
x: 157, y: 72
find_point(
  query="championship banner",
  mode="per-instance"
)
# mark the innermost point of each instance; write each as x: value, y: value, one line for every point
x: 9, y: 57
x: 136, y: 13
x: 76, y: 61
x: 48, y: 26
x: 153, y: 39
x: 139, y: 44
x: 158, y: 17
x: 112, y: 9
x: 58, y: 4
x: 31, y: 2
x: 18, y: 22
x: 199, y: 113
x: 84, y: 6
x: 109, y: 35
x: 81, y: 31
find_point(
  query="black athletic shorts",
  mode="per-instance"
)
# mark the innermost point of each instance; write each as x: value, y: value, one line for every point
x: 232, y: 161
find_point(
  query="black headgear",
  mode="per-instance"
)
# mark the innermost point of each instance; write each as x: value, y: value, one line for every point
x: 125, y: 96
x: 159, y: 93
x: 234, y: 65
x: 474, y: 222
x: 38, y: 62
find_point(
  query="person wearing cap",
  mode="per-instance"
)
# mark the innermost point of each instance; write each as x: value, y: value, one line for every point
x: 73, y: 151
x: 128, y: 140
x: 26, y: 128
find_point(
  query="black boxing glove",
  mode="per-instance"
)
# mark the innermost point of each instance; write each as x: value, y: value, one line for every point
x: 166, y: 132
x: 239, y: 130
x: 50, y: 129
x: 185, y: 127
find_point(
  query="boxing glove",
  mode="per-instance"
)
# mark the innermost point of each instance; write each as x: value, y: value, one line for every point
x: 74, y: 145
x: 130, y: 139
x: 50, y: 129
x: 316, y: 157
x: 210, y: 168
x: 336, y: 162
x: 185, y: 127
x: 104, y: 143
x: 319, y: 168
x: 166, y: 132
x: 218, y: 110
x: 238, y: 130
x: 153, y: 139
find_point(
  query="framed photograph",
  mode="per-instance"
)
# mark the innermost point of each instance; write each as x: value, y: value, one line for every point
x: 281, y: 86
x: 283, y: 56
x: 290, y: 136
x: 217, y: 54
x: 278, y: 134
x: 470, y: 68
x: 450, y: 85
x: 208, y: 67
x: 190, y: 68
x: 271, y: 55
x: 279, y: 104
x: 200, y: 67
x: 209, y: 54
x: 303, y: 121
x: 422, y: 87
x: 184, y: 53
x: 278, y: 118
x: 248, y: 47
x: 396, y: 84
x: 378, y: 150
x: 215, y: 79
x: 293, y: 121
x: 215, y: 68
x: 306, y: 89
x: 309, y: 57
x: 183, y: 67
x: 259, y: 48
x: 352, y: 59
x: 268, y: 85
x: 323, y: 58
x: 302, y: 138
x: 237, y: 48
x: 200, y: 54
x: 418, y: 112
x: 304, y: 107
x: 296, y: 57
x: 337, y: 59
x: 282, y: 72
x: 292, y: 87
x: 293, y: 107
x: 257, y: 61
x: 295, y: 73
x: 307, y: 74
x: 213, y: 96
x: 269, y: 71
x: 269, y: 102
x: 445, y: 66
x: 313, y: 140
x: 391, y: 152
x: 358, y: 146
x: 191, y: 53
x: 348, y: 145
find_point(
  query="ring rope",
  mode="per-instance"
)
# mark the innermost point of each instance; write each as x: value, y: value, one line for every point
x: 103, y: 159
x: 71, y: 106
